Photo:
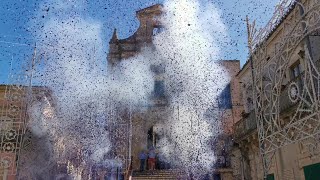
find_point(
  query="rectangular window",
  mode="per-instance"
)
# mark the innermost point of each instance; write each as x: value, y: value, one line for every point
x: 224, y: 101
x: 295, y: 70
x: 159, y: 89
x: 157, y: 30
x: 158, y: 69
x: 296, y: 73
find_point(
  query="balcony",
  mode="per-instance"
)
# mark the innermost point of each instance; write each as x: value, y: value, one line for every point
x: 245, y: 126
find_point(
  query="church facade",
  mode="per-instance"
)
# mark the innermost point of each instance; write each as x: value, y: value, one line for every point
x: 144, y: 125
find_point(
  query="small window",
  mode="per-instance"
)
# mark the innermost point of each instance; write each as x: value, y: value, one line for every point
x: 157, y: 30
x: 295, y: 70
x: 224, y: 101
x: 158, y: 69
x: 159, y: 89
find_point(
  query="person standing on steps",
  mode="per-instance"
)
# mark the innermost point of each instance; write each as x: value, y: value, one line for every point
x: 142, y: 157
x: 152, y: 159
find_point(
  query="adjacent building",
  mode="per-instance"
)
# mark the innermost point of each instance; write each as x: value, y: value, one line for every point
x: 277, y: 136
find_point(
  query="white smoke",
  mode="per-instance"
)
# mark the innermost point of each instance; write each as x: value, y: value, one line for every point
x: 189, y: 47
x: 72, y: 47
x: 81, y: 93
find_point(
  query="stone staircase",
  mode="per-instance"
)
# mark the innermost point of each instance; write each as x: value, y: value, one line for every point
x: 157, y: 175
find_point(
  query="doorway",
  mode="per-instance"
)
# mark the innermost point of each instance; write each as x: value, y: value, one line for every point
x: 311, y: 172
x: 151, y: 141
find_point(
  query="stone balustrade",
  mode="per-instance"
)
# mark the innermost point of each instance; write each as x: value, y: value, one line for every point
x: 245, y: 125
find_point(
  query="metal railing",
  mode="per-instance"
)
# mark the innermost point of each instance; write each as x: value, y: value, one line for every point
x: 245, y: 125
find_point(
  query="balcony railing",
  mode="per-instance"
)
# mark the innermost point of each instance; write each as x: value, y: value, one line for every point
x: 245, y: 125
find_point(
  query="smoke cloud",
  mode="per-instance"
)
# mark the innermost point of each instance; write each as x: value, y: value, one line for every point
x: 73, y: 120
x: 189, y: 47
x: 73, y: 128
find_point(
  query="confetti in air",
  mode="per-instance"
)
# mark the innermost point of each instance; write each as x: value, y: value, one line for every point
x: 155, y: 89
x: 74, y: 131
x: 194, y: 80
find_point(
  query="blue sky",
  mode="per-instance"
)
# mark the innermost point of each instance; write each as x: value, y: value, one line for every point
x: 19, y: 18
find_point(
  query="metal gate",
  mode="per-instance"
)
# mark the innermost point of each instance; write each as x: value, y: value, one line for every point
x: 13, y: 114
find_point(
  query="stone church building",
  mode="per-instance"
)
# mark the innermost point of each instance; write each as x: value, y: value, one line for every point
x: 144, y: 123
